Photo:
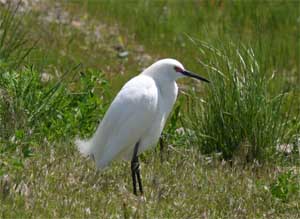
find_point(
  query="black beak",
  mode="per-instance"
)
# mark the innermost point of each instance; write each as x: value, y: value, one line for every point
x: 193, y: 75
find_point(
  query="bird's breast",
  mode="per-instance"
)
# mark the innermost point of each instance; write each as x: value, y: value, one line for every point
x: 166, y: 100
x: 167, y: 97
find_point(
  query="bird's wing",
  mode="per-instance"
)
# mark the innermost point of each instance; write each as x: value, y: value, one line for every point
x: 127, y: 119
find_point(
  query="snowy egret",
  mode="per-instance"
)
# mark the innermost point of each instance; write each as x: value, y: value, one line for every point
x: 136, y: 117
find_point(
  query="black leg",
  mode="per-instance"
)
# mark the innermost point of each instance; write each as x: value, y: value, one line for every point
x: 133, y: 176
x: 135, y: 170
x: 161, y: 148
x: 139, y: 177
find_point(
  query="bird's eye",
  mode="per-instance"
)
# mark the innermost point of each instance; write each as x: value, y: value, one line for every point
x: 178, y: 69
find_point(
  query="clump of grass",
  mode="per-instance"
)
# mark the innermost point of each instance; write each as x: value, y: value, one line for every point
x: 239, y: 117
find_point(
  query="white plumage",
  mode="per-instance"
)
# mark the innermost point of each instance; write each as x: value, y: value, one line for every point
x: 138, y: 113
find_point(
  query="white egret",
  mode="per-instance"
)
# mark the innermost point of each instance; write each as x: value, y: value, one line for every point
x: 136, y: 117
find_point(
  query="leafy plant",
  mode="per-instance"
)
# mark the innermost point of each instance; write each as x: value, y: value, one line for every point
x: 285, y: 186
x: 38, y: 113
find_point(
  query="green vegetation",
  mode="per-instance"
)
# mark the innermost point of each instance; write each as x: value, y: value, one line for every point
x: 270, y: 27
x: 233, y: 153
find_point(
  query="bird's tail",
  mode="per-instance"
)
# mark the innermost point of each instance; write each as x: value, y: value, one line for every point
x: 85, y: 147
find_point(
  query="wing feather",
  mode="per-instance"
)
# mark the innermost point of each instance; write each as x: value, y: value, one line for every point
x: 129, y: 116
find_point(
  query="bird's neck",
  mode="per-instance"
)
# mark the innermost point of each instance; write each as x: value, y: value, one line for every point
x: 168, y: 91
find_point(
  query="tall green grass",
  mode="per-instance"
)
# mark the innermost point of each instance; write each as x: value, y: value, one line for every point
x: 239, y: 116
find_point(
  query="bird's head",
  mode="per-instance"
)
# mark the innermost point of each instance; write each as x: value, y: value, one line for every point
x: 170, y: 69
